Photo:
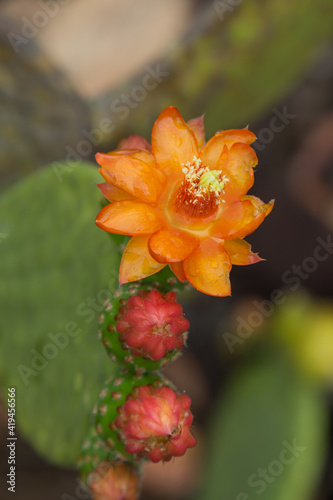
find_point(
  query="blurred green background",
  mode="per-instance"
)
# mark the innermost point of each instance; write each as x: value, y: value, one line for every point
x: 75, y: 78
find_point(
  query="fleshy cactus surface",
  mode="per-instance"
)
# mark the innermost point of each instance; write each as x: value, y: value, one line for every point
x: 114, y: 481
x: 152, y: 324
x: 155, y: 422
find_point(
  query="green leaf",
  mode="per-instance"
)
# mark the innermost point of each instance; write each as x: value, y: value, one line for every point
x: 267, y: 437
x: 57, y: 269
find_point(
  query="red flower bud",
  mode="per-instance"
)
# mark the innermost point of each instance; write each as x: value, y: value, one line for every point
x: 114, y: 481
x: 155, y: 422
x: 152, y: 324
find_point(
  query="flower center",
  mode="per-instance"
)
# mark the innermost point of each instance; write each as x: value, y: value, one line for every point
x: 199, y: 194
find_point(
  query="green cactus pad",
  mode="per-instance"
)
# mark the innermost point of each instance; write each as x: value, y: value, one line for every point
x: 57, y: 268
x: 267, y: 413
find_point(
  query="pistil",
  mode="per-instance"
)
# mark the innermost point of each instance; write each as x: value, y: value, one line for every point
x: 200, y: 192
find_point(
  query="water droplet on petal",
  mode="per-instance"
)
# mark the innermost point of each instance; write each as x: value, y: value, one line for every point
x: 195, y: 271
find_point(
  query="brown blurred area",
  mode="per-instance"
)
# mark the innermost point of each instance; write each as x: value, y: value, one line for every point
x: 92, y: 47
x: 99, y: 45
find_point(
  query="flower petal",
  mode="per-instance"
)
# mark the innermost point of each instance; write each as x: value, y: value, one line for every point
x: 172, y: 245
x: 238, y: 135
x: 197, y: 127
x: 135, y: 141
x: 112, y: 193
x: 132, y: 175
x: 238, y: 166
x: 136, y: 262
x: 207, y: 269
x: 240, y: 252
x: 148, y: 158
x: 129, y: 217
x: 213, y: 149
x: 173, y: 142
x: 140, y: 154
x: 178, y: 270
x: 241, y: 218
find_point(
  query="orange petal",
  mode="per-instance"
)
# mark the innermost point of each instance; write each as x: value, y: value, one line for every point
x: 241, y: 218
x: 132, y: 175
x: 172, y: 245
x: 134, y: 141
x: 139, y: 154
x: 173, y: 142
x: 147, y: 157
x: 136, y: 262
x: 207, y: 269
x: 178, y: 270
x: 198, y: 129
x: 238, y: 135
x: 213, y: 149
x: 238, y: 166
x: 129, y: 217
x: 240, y: 252
x: 112, y: 193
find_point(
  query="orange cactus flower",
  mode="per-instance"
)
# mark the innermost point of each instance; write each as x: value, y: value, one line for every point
x: 183, y: 201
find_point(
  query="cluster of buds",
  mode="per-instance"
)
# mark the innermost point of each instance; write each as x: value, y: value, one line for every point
x: 138, y: 416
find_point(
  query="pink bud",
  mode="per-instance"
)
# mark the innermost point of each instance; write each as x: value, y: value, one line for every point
x: 152, y: 324
x: 134, y: 141
x: 114, y: 481
x: 155, y: 422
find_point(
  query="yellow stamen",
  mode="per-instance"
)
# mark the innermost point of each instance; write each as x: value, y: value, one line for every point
x: 201, y: 188
x: 210, y: 180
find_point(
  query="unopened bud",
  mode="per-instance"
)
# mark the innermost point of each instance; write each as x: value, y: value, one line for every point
x: 114, y: 481
x: 152, y: 325
x: 155, y: 422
